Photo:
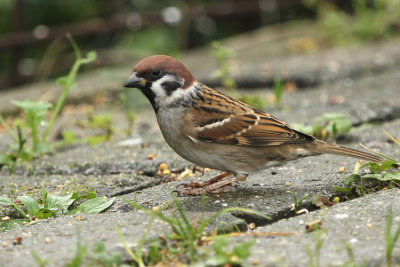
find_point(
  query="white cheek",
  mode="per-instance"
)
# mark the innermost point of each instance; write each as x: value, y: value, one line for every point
x: 157, y: 88
x: 180, y: 94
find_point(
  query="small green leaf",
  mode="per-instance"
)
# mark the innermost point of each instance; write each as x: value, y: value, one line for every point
x: 4, y: 201
x: 68, y: 136
x: 392, y: 176
x: 373, y: 176
x: 58, y: 203
x: 351, y: 179
x: 303, y: 128
x: 94, y: 206
x: 6, y: 160
x: 91, y: 56
x: 345, y: 190
x: 387, y: 164
x: 220, y: 244
x: 44, y: 213
x: 242, y: 250
x: 38, y: 107
x: 375, y: 168
x: 88, y: 195
x: 30, y: 204
x: 12, y: 224
x: 62, y: 81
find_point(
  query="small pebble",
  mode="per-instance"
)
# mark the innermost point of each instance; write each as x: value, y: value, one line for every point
x: 78, y: 218
x: 4, y: 244
x: 155, y: 208
x: 255, y: 262
x: 163, y: 166
x: 5, y: 218
x: 342, y: 170
x: 287, y: 184
x: 47, y: 240
x: 341, y: 215
x: 369, y: 225
x: 150, y: 157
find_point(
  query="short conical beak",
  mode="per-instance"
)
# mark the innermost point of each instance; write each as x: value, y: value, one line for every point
x: 135, y: 82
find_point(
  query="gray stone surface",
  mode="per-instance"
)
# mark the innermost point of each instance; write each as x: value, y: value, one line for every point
x: 361, y: 223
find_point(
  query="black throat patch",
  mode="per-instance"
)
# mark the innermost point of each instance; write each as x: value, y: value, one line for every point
x: 150, y: 96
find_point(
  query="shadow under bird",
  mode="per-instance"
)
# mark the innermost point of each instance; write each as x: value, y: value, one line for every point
x: 213, y: 130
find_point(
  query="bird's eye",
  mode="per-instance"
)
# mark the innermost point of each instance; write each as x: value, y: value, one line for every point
x: 155, y: 72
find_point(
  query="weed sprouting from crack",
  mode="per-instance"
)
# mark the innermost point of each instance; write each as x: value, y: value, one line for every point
x: 385, y: 175
x: 183, y: 244
x: 35, y: 113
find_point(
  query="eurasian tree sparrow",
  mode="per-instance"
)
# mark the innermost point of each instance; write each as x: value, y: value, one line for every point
x: 213, y: 130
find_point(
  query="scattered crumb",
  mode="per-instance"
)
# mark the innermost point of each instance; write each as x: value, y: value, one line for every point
x: 369, y: 225
x: 314, y: 225
x: 251, y: 226
x: 17, y: 240
x: 155, y: 208
x: 150, y: 157
x: 5, y: 218
x: 305, y: 211
x: 234, y: 258
x: 47, y: 240
x: 278, y: 202
x: 4, y: 244
x: 287, y: 184
x: 186, y: 173
x: 78, y: 218
x: 341, y: 215
x: 336, y: 100
x: 255, y: 262
x: 326, y: 201
x: 342, y: 170
x: 336, y: 200
x: 163, y: 166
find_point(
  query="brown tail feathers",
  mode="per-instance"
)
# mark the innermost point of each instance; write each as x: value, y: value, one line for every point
x: 323, y: 147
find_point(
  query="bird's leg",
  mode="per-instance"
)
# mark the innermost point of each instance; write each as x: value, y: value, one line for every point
x: 214, y: 185
x: 208, y: 182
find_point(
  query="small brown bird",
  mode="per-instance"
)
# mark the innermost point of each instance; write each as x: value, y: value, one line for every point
x: 213, y: 130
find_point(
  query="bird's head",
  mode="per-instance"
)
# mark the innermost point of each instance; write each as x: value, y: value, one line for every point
x: 162, y: 79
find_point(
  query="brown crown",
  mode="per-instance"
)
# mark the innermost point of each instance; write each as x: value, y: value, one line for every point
x: 167, y: 64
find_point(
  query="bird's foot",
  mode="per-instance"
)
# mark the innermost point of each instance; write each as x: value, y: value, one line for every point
x: 214, y: 185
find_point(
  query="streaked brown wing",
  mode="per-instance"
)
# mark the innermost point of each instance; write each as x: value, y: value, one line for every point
x: 220, y: 119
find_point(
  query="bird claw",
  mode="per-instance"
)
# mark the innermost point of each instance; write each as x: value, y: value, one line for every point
x: 184, y: 185
x: 195, y: 189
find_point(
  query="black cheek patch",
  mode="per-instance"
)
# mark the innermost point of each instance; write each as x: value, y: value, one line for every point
x: 170, y: 86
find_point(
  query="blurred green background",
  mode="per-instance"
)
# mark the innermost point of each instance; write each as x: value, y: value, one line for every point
x: 33, y: 46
